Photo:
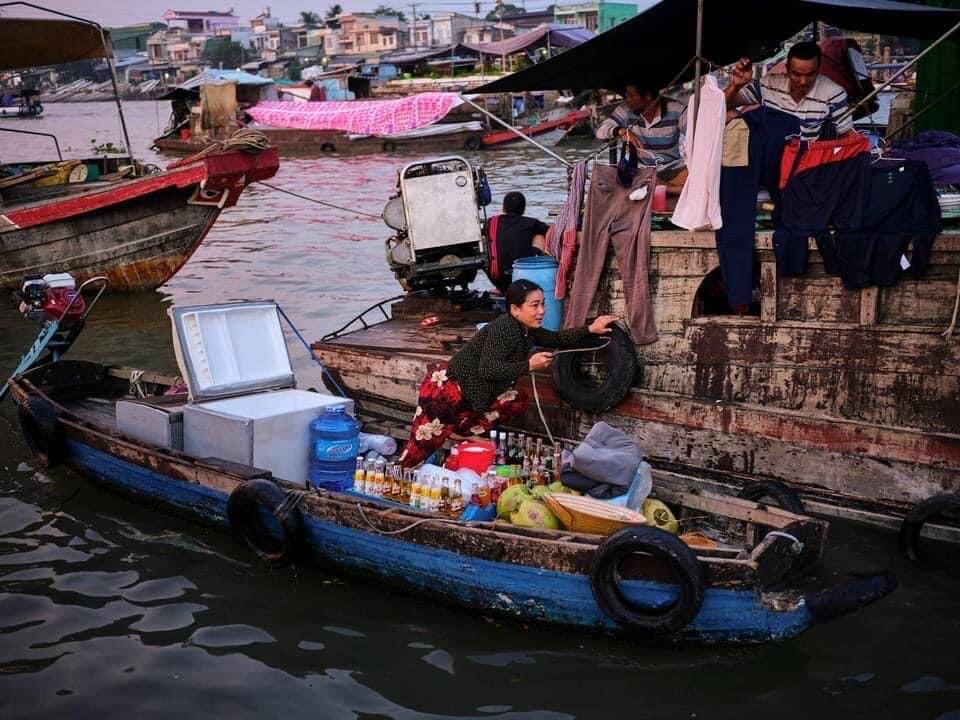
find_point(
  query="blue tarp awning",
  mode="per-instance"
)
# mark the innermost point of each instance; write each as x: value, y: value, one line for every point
x: 561, y: 36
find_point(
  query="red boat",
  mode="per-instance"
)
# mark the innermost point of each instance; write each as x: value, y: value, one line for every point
x: 111, y: 216
x: 564, y: 122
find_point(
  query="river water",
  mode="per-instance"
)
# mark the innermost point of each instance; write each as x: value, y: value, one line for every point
x: 112, y: 610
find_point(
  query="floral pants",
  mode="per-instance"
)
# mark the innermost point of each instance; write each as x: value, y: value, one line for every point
x: 442, y: 410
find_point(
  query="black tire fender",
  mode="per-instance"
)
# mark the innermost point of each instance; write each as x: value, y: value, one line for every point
x: 918, y: 516
x: 328, y: 147
x: 472, y: 143
x: 389, y: 146
x: 243, y: 508
x: 622, y: 364
x: 857, y: 592
x: 679, y: 558
x: 42, y: 431
x: 785, y: 498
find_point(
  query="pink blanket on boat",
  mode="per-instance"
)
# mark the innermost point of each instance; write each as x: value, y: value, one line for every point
x: 359, y: 117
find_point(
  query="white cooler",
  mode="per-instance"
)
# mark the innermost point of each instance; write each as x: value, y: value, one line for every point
x: 244, y: 407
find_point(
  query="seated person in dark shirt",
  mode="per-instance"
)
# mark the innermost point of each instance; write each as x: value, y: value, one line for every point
x: 512, y: 236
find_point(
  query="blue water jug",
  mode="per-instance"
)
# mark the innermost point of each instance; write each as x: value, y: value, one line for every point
x: 334, y: 444
x: 542, y: 269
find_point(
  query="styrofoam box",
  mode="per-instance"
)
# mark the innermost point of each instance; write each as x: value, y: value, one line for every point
x: 268, y: 430
x: 158, y: 422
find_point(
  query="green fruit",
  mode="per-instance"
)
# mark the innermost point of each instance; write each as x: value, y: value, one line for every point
x: 510, y: 500
x: 539, y: 491
x: 659, y: 515
x: 557, y: 487
x: 536, y: 514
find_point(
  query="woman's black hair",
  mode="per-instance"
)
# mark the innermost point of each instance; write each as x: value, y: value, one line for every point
x: 519, y: 289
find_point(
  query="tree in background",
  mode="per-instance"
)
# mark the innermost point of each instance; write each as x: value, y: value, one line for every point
x: 333, y: 11
x: 223, y: 52
x: 505, y: 9
x: 309, y: 18
x: 390, y: 12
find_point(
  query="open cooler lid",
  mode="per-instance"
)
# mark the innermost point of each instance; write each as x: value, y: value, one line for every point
x: 231, y: 349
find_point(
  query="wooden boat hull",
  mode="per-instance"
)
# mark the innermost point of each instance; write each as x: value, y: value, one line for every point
x: 290, y: 142
x: 851, y: 398
x: 487, y: 568
x: 138, y: 233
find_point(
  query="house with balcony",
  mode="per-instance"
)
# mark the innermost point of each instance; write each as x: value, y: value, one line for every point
x: 421, y: 33
x: 370, y: 35
x: 201, y: 22
x: 596, y: 16
x: 175, y: 46
x: 448, y: 28
x: 488, y: 32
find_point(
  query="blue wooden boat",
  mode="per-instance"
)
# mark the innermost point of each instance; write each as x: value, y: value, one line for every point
x: 750, y: 593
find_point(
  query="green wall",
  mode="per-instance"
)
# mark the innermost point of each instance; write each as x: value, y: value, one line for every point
x: 612, y: 14
x: 937, y: 73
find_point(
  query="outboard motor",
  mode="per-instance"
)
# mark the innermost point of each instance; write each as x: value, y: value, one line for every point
x: 438, y: 217
x: 54, y: 301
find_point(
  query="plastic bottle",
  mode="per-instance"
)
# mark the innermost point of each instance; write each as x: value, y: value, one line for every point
x: 334, y: 446
x: 640, y: 487
x: 383, y: 444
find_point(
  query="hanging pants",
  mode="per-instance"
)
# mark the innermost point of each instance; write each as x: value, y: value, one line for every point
x: 612, y: 217
x: 739, y: 185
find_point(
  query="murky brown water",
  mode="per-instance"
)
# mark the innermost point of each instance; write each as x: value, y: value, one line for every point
x: 111, y: 610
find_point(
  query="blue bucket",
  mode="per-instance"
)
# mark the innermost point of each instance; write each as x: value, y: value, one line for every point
x: 542, y: 269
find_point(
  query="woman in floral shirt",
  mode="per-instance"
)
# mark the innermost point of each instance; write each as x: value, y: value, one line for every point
x: 474, y: 391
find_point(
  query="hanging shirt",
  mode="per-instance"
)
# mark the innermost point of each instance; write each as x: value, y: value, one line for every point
x: 662, y: 135
x: 826, y: 100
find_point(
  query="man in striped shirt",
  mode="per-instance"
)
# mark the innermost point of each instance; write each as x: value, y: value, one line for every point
x: 803, y: 92
x: 655, y: 126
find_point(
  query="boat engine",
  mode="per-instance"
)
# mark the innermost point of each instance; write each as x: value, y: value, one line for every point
x: 54, y: 301
x: 51, y: 297
x: 439, y: 222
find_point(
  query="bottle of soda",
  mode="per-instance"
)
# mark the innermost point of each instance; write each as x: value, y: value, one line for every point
x: 405, y: 484
x: 378, y: 479
x: 359, y: 476
x: 370, y: 485
x: 502, y: 450
x: 556, y: 465
x: 415, y: 491
x: 444, y: 495
x: 435, y: 495
x: 456, y: 497
x: 483, y: 492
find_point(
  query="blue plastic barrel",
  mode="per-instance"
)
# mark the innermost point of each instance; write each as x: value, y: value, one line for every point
x: 334, y: 444
x: 542, y: 269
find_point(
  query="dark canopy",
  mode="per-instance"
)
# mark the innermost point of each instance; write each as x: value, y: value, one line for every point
x: 656, y: 44
x: 30, y: 42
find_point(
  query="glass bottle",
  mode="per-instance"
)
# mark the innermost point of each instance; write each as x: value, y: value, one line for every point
x: 502, y: 450
x: 456, y: 497
x: 483, y: 492
x: 378, y: 479
x: 435, y: 495
x: 359, y: 476
x: 405, y: 485
x: 371, y: 482
x: 556, y: 465
x: 415, y: 491
x: 444, y: 495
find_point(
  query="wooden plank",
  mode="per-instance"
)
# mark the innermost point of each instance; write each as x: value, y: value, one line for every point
x: 770, y: 292
x: 869, y: 299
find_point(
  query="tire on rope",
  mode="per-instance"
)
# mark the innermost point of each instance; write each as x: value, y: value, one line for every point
x: 682, y: 562
x: 785, y: 498
x: 849, y: 596
x: 243, y: 509
x: 923, y: 511
x: 472, y: 143
x: 389, y: 146
x: 42, y: 431
x: 581, y: 392
x: 328, y: 147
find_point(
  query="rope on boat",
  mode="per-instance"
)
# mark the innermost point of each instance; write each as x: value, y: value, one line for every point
x: 536, y: 395
x: 321, y: 202
x: 291, y: 501
x: 956, y: 308
x: 136, y: 387
x: 797, y: 545
x: 406, y: 528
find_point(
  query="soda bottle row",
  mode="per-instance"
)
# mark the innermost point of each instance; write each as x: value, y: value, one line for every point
x: 532, y: 461
x: 391, y: 482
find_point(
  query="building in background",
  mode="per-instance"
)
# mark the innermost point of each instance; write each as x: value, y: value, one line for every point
x: 201, y: 22
x: 596, y: 16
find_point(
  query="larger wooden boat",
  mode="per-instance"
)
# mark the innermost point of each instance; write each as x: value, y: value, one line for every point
x: 851, y: 398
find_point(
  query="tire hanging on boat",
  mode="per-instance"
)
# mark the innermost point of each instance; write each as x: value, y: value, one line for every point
x: 472, y: 143
x: 785, y: 498
x: 581, y: 391
x: 42, y: 431
x: 244, y: 506
x: 389, y: 146
x: 674, y: 553
x: 932, y: 507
